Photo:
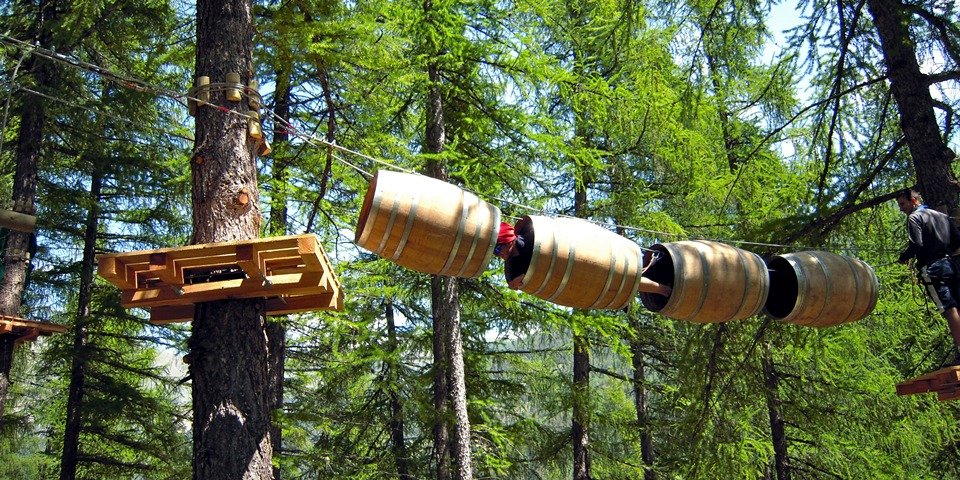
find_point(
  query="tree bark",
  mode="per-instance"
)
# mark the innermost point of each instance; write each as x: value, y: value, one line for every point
x: 397, y: 442
x: 581, y: 410
x: 7, y: 344
x: 78, y: 367
x: 441, y: 386
x: 580, y: 429
x: 909, y: 86
x: 449, y: 371
x: 771, y: 381
x: 276, y: 329
x: 16, y: 256
x: 642, y: 407
x: 228, y: 348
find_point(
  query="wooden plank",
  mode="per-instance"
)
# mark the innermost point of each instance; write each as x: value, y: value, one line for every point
x: 18, y: 221
x: 249, y: 261
x: 274, y: 306
x: 292, y: 266
x: 310, y: 252
x: 946, y: 396
x: 171, y: 314
x: 934, y: 381
x: 303, y: 303
x: 28, y: 335
x: 210, y: 249
x: 114, y: 271
x: 162, y: 265
x: 291, y: 284
x: 8, y: 322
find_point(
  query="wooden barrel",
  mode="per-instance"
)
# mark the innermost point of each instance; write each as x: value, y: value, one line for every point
x: 712, y: 282
x: 820, y: 289
x: 578, y: 264
x: 427, y: 225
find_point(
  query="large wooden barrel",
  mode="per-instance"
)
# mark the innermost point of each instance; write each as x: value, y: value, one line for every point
x: 712, y: 282
x: 578, y: 264
x: 427, y: 225
x: 820, y: 289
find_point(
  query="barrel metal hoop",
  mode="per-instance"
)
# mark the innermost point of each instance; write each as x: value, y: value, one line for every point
x: 828, y: 289
x: 746, y: 283
x: 857, y: 288
x: 801, y: 290
x: 679, y: 285
x: 638, y: 278
x: 553, y: 262
x: 571, y: 259
x: 464, y: 211
x: 764, y: 282
x: 389, y: 229
x: 477, y: 229
x: 623, y: 282
x: 874, y: 287
x: 706, y: 276
x: 409, y: 226
x: 611, y: 268
x: 490, y: 244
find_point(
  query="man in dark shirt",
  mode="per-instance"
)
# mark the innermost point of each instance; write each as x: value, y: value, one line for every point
x: 932, y: 240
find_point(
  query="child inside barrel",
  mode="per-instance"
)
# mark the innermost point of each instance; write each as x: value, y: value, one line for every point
x: 516, y: 249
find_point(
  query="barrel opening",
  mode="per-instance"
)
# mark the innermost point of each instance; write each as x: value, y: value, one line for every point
x: 784, y: 288
x: 365, y: 210
x: 661, y: 271
x: 520, y: 264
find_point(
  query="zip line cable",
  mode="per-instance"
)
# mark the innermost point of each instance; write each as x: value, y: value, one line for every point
x: 183, y: 99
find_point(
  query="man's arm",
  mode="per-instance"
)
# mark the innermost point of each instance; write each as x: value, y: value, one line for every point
x: 914, y: 239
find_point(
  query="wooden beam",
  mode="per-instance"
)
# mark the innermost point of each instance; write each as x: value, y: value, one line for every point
x: 273, y: 306
x: 18, y: 221
x: 8, y: 322
x: 290, y: 284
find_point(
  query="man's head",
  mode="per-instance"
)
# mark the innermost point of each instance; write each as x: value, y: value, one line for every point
x: 505, y: 241
x: 908, y: 200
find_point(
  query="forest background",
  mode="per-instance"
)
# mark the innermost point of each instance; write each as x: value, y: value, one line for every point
x: 663, y: 120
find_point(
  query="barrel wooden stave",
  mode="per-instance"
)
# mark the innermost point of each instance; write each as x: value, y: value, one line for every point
x: 820, y: 289
x: 427, y: 225
x: 578, y: 264
x: 712, y: 282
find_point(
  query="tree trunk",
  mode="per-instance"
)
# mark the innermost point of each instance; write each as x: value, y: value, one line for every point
x: 771, y: 381
x: 581, y: 410
x: 441, y: 387
x: 16, y: 256
x: 78, y: 376
x: 442, y: 289
x: 931, y: 156
x: 397, y: 443
x: 276, y: 356
x: 450, y: 308
x: 641, y: 406
x: 449, y: 372
x: 7, y: 343
x: 276, y: 329
x: 581, y: 359
x: 228, y: 348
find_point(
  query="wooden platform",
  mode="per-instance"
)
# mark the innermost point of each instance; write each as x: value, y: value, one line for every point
x: 27, y: 330
x: 292, y: 273
x: 945, y: 382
